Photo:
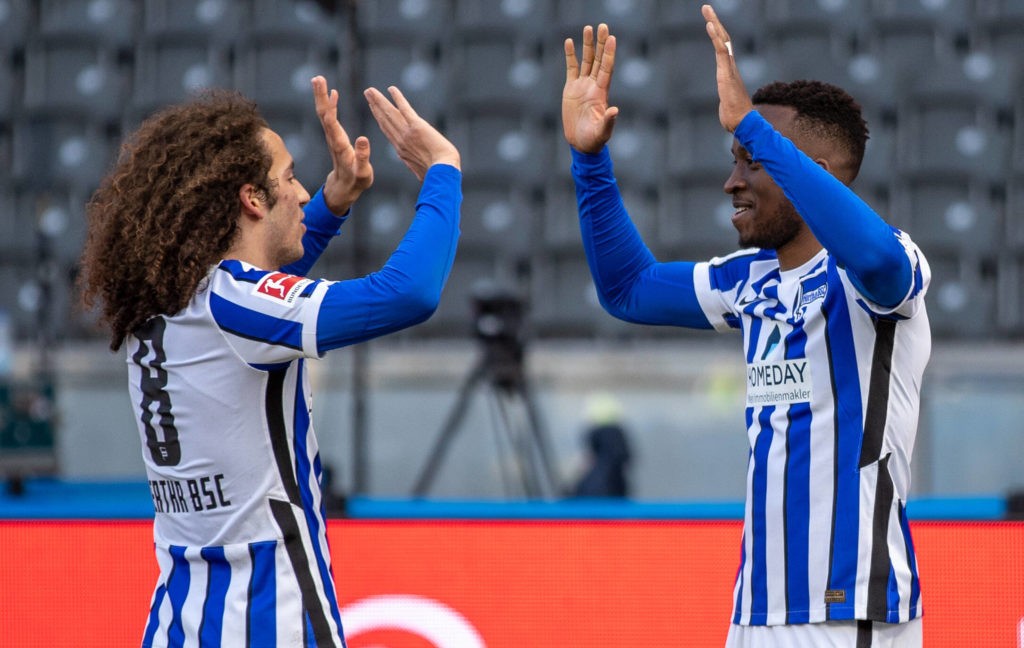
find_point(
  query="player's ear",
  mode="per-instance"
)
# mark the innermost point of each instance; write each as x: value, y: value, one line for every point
x: 252, y: 200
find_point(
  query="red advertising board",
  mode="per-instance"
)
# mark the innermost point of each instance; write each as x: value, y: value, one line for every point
x: 440, y: 584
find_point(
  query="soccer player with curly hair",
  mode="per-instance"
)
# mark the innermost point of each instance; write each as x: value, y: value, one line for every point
x: 199, y: 243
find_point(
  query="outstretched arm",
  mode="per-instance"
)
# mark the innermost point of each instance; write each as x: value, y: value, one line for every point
x: 630, y: 283
x: 844, y: 224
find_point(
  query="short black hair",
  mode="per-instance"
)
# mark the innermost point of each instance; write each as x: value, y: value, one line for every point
x: 823, y: 110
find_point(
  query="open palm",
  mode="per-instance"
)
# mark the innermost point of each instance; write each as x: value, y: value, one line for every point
x: 587, y: 120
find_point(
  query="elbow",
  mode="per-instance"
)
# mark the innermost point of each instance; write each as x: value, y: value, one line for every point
x: 419, y: 303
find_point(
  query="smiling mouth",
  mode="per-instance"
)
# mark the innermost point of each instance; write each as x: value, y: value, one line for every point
x: 741, y: 211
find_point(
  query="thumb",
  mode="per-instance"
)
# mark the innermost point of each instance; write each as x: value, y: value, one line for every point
x: 610, y: 116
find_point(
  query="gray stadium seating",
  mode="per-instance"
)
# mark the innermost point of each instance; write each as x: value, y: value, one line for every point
x: 942, y: 84
x: 74, y: 78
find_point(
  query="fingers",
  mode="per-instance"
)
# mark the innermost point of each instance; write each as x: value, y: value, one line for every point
x: 602, y: 39
x: 719, y: 37
x: 403, y: 104
x: 386, y: 115
x: 572, y: 69
x: 327, y: 110
x: 603, y: 74
x: 588, y: 51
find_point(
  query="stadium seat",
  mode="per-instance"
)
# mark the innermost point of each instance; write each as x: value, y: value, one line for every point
x: 694, y: 220
x: 744, y: 19
x: 560, y: 226
x: 506, y: 75
x: 220, y: 21
x: 297, y: 19
x: 405, y: 23
x: 169, y: 70
x: 640, y: 89
x: 17, y: 228
x: 961, y: 297
x: 74, y: 78
x: 10, y: 93
x: 421, y: 72
x: 686, y: 67
x: 15, y: 17
x: 384, y: 213
x: 498, y: 220
x: 522, y: 20
x: 58, y: 216
x: 627, y: 19
x: 838, y: 17
x: 959, y: 134
x: 950, y: 214
x: 107, y: 22
x: 638, y: 152
x: 276, y: 74
x: 697, y: 143
x: 507, y: 147
x: 1010, y: 294
x: 59, y: 152
x: 943, y: 15
x: 1014, y: 240
x: 880, y: 153
x: 563, y: 299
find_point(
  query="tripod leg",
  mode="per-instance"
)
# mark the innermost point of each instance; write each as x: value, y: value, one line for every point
x: 510, y: 418
x: 541, y: 440
x: 458, y: 410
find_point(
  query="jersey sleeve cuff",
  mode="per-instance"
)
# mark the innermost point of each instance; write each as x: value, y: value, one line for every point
x: 310, y: 321
x: 702, y: 288
x: 320, y: 217
x: 591, y: 164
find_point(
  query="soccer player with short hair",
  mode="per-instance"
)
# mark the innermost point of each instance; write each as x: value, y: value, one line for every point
x: 829, y: 300
x: 199, y: 243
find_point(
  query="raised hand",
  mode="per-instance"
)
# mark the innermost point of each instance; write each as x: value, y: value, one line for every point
x: 733, y: 98
x: 352, y: 173
x: 417, y: 143
x: 587, y: 119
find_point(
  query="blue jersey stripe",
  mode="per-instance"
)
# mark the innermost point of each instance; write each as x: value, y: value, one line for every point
x: 177, y: 590
x: 219, y: 578
x: 759, y: 567
x: 848, y: 432
x: 915, y: 585
x: 255, y: 325
x: 154, y: 616
x: 261, y: 620
x: 302, y: 471
x: 738, y: 603
x: 797, y: 496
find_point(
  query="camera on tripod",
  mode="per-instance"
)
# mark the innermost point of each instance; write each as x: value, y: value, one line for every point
x: 498, y: 315
x: 498, y: 324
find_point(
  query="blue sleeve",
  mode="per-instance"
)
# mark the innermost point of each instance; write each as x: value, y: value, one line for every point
x: 321, y: 226
x: 631, y: 284
x: 407, y: 289
x: 861, y: 242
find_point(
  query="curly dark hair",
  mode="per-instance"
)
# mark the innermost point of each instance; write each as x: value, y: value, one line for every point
x: 169, y: 208
x: 824, y: 111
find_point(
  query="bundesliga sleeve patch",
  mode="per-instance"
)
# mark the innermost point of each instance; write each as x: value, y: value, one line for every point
x: 280, y: 287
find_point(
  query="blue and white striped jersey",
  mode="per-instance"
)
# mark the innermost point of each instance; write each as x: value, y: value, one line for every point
x: 833, y: 385
x: 833, y: 388
x: 224, y: 406
x: 233, y: 464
